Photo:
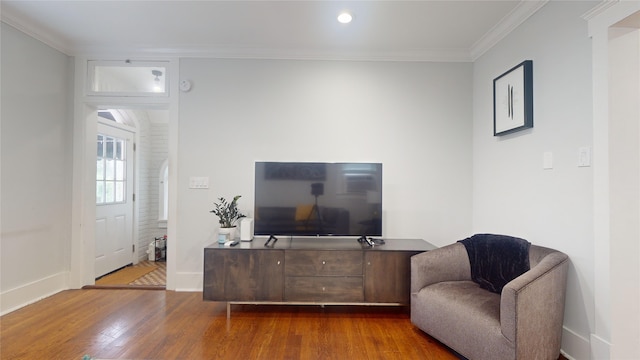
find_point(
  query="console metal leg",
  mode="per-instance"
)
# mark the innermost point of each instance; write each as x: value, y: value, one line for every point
x: 228, y: 310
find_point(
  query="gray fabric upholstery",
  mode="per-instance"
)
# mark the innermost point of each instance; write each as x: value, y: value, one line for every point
x: 523, y: 322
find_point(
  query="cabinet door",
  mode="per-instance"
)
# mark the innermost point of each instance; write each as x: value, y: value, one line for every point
x: 387, y: 276
x: 243, y: 275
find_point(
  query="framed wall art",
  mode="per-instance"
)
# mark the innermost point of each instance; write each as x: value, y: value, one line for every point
x: 513, y: 99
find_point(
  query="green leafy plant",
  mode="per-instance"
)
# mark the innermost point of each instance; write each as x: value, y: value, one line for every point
x: 227, y: 211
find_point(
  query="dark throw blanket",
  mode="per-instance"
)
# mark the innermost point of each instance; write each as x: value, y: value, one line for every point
x: 496, y: 259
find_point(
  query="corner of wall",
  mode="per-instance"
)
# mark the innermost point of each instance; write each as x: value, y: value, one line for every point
x: 575, y: 346
x: 188, y: 281
x: 600, y: 348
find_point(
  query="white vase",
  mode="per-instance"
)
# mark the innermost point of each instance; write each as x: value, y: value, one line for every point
x: 226, y: 234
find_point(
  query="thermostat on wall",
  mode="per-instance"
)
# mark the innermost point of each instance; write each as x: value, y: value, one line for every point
x: 185, y: 85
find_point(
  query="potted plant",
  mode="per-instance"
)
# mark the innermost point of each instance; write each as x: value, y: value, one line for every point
x: 228, y: 215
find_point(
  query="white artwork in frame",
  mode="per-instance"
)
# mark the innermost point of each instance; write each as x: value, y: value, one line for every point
x: 513, y: 99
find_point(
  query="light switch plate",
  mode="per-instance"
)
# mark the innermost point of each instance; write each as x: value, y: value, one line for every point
x: 584, y: 156
x: 198, y: 182
x: 547, y: 160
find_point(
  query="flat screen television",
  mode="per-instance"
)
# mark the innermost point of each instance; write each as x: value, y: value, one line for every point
x: 318, y: 199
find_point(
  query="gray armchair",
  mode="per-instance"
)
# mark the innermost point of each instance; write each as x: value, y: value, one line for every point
x: 522, y: 322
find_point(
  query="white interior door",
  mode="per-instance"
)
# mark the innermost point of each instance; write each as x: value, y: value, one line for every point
x: 114, y: 199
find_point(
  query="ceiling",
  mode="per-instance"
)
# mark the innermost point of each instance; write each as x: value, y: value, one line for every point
x: 452, y: 30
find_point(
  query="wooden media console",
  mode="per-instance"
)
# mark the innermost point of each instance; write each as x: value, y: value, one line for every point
x: 311, y: 271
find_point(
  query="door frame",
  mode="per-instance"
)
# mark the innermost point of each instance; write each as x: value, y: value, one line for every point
x: 599, y: 343
x: 82, y: 252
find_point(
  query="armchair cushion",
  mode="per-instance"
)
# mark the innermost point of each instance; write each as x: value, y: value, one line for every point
x: 496, y: 259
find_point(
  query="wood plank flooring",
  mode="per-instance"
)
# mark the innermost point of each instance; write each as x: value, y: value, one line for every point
x: 138, y: 324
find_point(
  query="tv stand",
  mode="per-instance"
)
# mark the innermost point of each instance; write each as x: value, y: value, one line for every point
x: 271, y: 237
x: 311, y: 271
x: 370, y: 241
x: 365, y: 240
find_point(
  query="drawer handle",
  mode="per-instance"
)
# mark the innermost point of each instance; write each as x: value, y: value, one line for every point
x: 324, y: 289
x: 324, y: 262
x: 278, y: 262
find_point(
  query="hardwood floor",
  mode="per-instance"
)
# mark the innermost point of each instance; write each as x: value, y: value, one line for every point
x: 138, y: 324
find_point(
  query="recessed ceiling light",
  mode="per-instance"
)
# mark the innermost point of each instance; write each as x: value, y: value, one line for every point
x: 345, y: 17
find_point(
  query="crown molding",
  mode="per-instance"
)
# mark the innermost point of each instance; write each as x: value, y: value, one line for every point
x: 515, y: 18
x: 35, y: 31
x: 230, y: 52
x: 599, y: 9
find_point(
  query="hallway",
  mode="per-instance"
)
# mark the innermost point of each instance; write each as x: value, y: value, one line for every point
x: 148, y: 274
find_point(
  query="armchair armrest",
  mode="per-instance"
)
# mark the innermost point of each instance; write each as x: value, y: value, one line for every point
x: 448, y: 263
x: 532, y: 305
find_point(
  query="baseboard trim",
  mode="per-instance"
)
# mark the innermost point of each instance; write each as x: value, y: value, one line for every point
x: 24, y: 295
x: 189, y: 281
x: 600, y: 348
x: 574, y: 346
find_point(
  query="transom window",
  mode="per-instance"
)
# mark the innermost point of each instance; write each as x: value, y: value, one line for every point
x: 111, y: 174
x: 128, y: 78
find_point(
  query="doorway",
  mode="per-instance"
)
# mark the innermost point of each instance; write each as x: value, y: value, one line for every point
x: 150, y: 141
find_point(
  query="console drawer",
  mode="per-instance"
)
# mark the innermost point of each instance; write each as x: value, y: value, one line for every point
x: 321, y: 262
x: 324, y: 288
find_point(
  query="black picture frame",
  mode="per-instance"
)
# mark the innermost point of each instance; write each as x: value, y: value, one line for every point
x: 513, y: 99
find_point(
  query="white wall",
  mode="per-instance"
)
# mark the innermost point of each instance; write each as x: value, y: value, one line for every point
x: 159, y: 154
x: 36, y: 169
x: 512, y: 193
x: 144, y: 196
x: 152, y: 149
x: 415, y: 118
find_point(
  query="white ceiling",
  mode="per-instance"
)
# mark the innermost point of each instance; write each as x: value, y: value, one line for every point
x: 452, y: 30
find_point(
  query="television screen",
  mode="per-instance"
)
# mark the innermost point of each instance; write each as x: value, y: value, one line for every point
x: 318, y: 199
